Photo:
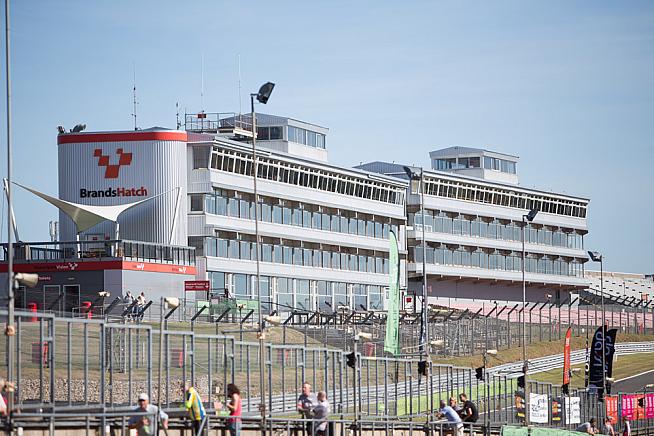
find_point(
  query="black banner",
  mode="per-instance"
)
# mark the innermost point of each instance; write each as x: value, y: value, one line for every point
x: 595, y: 373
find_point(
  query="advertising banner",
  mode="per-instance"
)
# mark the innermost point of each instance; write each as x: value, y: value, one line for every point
x: 649, y: 406
x: 596, y: 376
x: 557, y: 404
x: 566, y: 361
x: 392, y: 339
x: 611, y: 407
x: 573, y: 410
x: 640, y: 407
x: 538, y: 408
x: 628, y: 406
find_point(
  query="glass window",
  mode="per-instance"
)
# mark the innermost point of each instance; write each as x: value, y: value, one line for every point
x: 336, y: 260
x: 244, y: 209
x: 276, y: 132
x: 266, y: 212
x: 303, y: 295
x: 278, y: 255
x: 288, y: 255
x: 307, y: 257
x: 222, y: 248
x: 266, y: 252
x: 306, y: 218
x: 353, y: 226
x: 233, y: 249
x: 297, y: 256
x: 326, y: 221
x: 361, y: 228
x: 317, y: 258
x: 241, y: 286
x: 196, y: 203
x: 285, y: 292
x: 277, y: 214
x: 297, y: 217
x: 246, y: 253
x: 316, y: 220
x: 335, y: 223
x: 340, y: 295
x: 326, y: 259
x: 286, y: 215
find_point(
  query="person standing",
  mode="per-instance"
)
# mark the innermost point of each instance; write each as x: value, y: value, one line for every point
x: 140, y: 306
x: 235, y: 410
x: 147, y: 425
x: 320, y: 414
x: 305, y: 404
x: 469, y: 412
x: 626, y: 431
x: 194, y: 406
x: 128, y: 300
x: 453, y: 418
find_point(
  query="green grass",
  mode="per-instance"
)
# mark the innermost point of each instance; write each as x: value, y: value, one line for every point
x: 623, y: 366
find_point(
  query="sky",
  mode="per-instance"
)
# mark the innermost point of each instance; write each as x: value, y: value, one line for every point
x: 567, y: 86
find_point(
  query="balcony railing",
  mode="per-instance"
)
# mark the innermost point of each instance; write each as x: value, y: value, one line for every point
x: 100, y: 250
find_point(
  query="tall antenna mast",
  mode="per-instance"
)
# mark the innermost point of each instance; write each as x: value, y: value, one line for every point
x: 202, y: 84
x: 177, y: 115
x: 240, y: 111
x: 134, y: 95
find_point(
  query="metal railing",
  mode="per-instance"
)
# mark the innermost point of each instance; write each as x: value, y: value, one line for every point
x: 68, y: 367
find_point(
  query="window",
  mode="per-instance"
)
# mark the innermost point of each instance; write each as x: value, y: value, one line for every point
x: 196, y: 202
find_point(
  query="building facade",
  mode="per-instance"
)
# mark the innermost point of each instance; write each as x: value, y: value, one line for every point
x: 473, y: 234
x: 324, y: 229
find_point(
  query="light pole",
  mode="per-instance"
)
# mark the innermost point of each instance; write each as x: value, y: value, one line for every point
x: 262, y: 97
x: 10, y: 330
x: 597, y: 257
x: 417, y: 185
x: 525, y: 366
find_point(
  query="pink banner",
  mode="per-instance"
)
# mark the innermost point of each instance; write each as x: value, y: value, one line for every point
x: 649, y: 406
x: 628, y: 406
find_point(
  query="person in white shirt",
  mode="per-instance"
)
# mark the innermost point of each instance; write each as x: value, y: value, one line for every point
x: 320, y: 414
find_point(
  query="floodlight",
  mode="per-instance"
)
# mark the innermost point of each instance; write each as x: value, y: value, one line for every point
x: 595, y: 256
x: 264, y: 92
x: 273, y: 319
x: 531, y: 215
x: 363, y: 336
x: 575, y: 370
x: 492, y: 352
x: 78, y: 128
x: 172, y: 302
x: 438, y: 343
x: 27, y: 279
x: 610, y: 379
x: 104, y: 294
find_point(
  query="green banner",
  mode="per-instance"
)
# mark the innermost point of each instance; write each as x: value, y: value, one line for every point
x: 392, y: 341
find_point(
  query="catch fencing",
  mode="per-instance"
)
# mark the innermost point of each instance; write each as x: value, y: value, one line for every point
x: 68, y: 366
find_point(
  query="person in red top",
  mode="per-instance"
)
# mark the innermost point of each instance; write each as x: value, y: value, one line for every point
x: 235, y: 410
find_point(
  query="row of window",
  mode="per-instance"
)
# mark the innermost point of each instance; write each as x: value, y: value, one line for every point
x: 490, y: 163
x: 306, y: 137
x: 503, y: 197
x: 300, y: 256
x: 301, y: 175
x: 511, y: 261
x: 283, y: 294
x: 452, y: 223
x: 273, y: 210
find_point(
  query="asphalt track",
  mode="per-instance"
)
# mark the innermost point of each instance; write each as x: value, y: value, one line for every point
x: 635, y: 383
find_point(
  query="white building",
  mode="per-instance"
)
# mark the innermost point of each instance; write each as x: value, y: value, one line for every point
x: 473, y: 232
x: 324, y: 229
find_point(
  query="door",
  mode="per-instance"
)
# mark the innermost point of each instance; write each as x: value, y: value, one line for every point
x: 70, y: 298
x: 52, y: 298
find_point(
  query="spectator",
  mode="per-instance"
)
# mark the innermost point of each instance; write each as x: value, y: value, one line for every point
x: 147, y: 425
x: 453, y: 418
x: 305, y: 404
x: 128, y: 299
x: 194, y: 406
x: 140, y: 306
x: 469, y: 412
x: 608, y: 427
x: 3, y: 403
x: 627, y: 426
x: 588, y: 427
x: 235, y: 409
x: 320, y: 414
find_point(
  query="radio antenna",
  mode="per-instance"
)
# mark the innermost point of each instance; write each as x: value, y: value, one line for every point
x: 177, y: 115
x: 134, y: 94
x: 240, y: 109
x: 202, y: 83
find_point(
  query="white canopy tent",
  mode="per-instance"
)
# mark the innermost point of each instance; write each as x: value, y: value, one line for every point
x: 86, y: 216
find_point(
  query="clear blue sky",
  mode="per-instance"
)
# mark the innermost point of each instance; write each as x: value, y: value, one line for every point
x: 567, y: 86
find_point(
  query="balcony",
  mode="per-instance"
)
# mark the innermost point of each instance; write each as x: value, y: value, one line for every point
x: 135, y: 251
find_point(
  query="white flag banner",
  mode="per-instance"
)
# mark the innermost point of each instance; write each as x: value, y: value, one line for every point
x: 538, y: 408
x: 572, y: 410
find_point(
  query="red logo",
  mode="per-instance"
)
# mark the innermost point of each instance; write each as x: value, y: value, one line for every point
x: 111, y: 171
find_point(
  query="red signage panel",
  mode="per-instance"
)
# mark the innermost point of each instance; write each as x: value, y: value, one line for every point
x: 196, y: 285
